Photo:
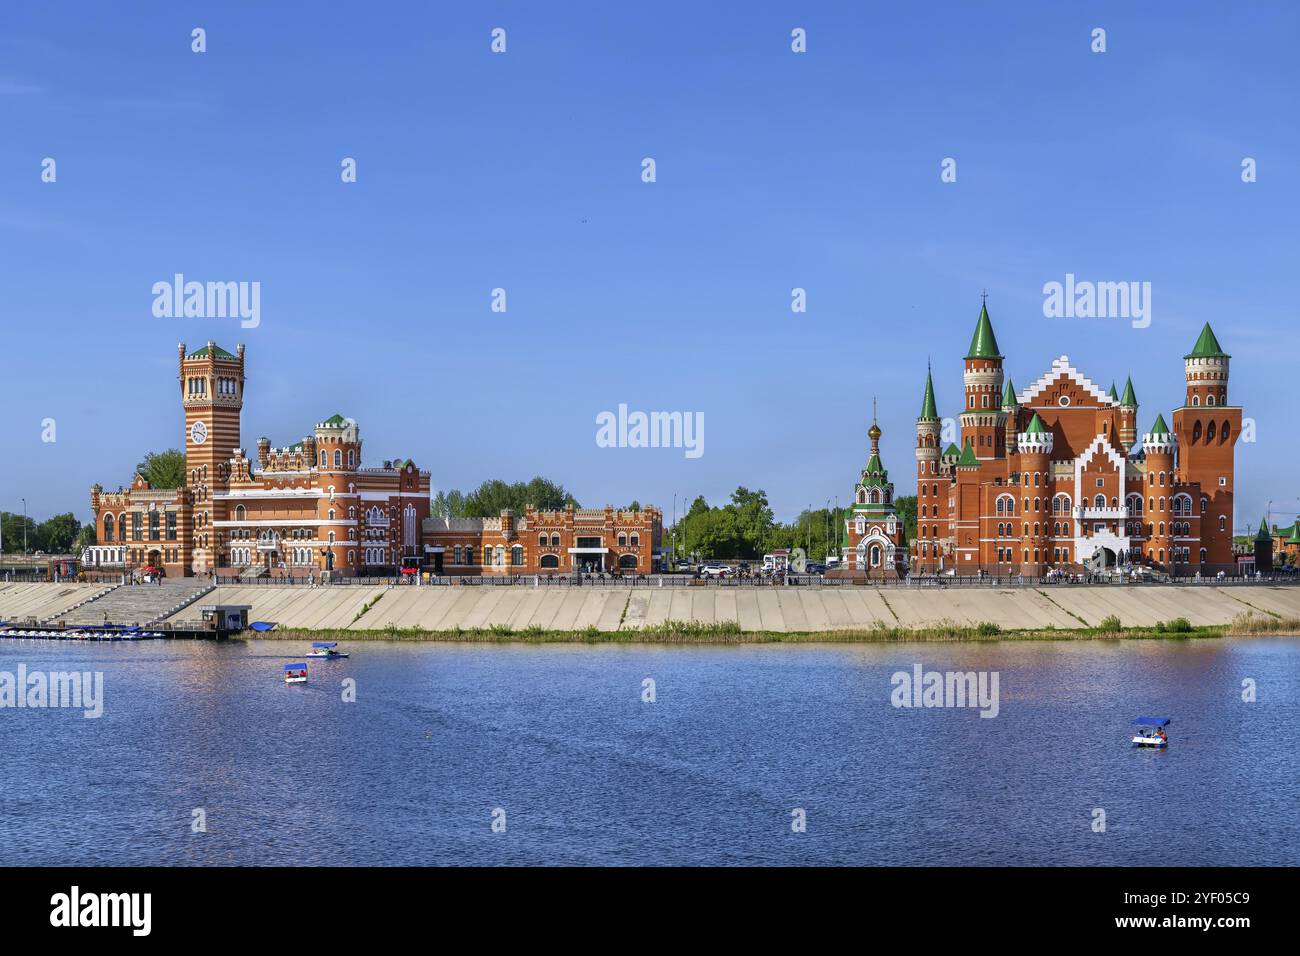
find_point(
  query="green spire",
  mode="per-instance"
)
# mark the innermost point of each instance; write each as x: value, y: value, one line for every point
x: 335, y: 419
x: 968, y: 454
x: 1295, y: 534
x: 1129, y: 400
x: 1264, y: 534
x: 983, y: 344
x: 951, y: 451
x: 1035, y: 426
x: 1009, y: 395
x: 1207, y: 346
x: 928, y: 409
x: 1114, y: 395
x: 1160, y: 428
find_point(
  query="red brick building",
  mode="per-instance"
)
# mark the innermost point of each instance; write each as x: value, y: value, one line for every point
x: 305, y: 508
x: 310, y: 507
x: 1055, y: 475
x: 546, y: 542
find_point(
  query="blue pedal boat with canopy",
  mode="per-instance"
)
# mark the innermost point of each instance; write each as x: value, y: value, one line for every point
x: 326, y: 650
x: 1151, y: 732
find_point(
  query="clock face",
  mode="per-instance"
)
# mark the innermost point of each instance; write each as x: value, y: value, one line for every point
x: 198, y: 433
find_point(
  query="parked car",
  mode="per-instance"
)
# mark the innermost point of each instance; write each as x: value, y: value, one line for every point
x: 714, y: 571
x: 816, y: 569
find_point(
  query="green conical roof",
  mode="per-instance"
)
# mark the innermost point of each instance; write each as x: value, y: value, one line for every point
x: 335, y: 419
x: 1009, y: 395
x: 1264, y: 534
x: 951, y: 450
x: 928, y: 409
x: 1036, y: 426
x: 968, y: 455
x: 1207, y: 346
x: 874, y: 467
x: 983, y: 344
x: 1129, y: 400
x: 1160, y: 428
x: 1295, y: 534
x: 1114, y: 395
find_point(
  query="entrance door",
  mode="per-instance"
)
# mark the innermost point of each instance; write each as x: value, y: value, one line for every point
x: 437, y: 562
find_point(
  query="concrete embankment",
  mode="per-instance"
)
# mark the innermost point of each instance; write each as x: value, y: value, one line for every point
x: 772, y: 610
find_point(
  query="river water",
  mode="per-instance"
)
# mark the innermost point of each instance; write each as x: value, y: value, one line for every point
x: 556, y: 744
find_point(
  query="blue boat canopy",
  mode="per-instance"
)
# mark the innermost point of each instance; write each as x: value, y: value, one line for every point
x: 262, y: 625
x: 324, y: 644
x: 295, y: 667
x: 1151, y: 721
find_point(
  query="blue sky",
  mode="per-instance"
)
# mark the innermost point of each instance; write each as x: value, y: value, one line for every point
x: 522, y: 171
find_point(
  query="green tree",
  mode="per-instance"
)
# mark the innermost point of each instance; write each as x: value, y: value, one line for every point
x: 906, y: 508
x: 57, y: 534
x: 163, y: 469
x: 491, y: 497
x: 85, y: 538
x: 11, y: 528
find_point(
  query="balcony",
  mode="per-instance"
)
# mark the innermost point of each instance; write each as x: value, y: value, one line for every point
x: 1089, y: 513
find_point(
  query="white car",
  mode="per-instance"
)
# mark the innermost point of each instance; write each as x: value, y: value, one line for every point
x: 715, y: 571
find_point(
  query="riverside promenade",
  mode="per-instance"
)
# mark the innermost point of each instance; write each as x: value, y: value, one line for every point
x: 800, y: 609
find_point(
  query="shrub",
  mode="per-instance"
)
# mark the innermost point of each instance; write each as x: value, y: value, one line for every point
x: 1111, y: 623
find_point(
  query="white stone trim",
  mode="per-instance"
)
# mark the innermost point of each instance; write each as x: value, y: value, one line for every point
x: 1062, y: 366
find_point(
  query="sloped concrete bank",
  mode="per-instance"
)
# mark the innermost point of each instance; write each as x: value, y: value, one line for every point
x: 755, y: 613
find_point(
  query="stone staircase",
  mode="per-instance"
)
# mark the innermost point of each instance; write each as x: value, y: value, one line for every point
x: 141, y: 604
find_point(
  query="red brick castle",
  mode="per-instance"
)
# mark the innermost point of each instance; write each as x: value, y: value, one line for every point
x: 1057, y: 475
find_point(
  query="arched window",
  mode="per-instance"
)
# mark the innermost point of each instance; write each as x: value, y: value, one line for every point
x: 517, y: 555
x: 108, y: 527
x: 555, y: 540
x: 500, y: 556
x: 1225, y: 431
x: 627, y: 560
x: 1196, y: 433
x: 1210, y: 432
x: 622, y: 540
x: 1205, y: 504
x: 875, y: 555
x: 1209, y: 400
x: 338, y: 458
x: 541, y: 539
x: 331, y: 514
x: 1099, y: 502
x: 550, y: 561
x: 1223, y: 522
x: 635, y: 539
x: 324, y: 459
x: 240, y: 513
x: 1204, y: 553
x: 351, y: 456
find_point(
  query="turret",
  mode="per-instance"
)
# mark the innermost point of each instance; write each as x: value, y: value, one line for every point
x: 928, y: 429
x: 1159, y: 444
x: 1128, y: 408
x: 982, y: 419
x: 1206, y: 369
x: 1034, y: 446
x: 1010, y: 405
x: 263, y: 451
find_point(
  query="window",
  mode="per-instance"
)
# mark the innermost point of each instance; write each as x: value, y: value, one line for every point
x: 622, y: 540
x: 155, y: 532
x: 469, y: 554
x: 324, y: 460
x: 351, y: 457
x: 517, y: 555
x: 137, y: 526
x: 550, y: 561
x: 239, y: 512
x: 541, y: 540
x: 555, y: 540
x: 108, y: 527
x: 500, y: 556
x: 1223, y: 522
x: 1099, y: 502
x: 338, y: 458
x: 636, y: 539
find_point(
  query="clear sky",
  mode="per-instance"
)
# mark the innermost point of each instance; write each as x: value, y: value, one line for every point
x: 522, y: 171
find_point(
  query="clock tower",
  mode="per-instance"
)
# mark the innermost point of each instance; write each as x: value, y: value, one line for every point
x: 212, y: 394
